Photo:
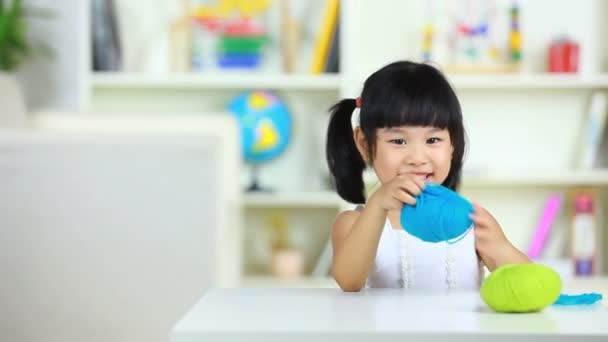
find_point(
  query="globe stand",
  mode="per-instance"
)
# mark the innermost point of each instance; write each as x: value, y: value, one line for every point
x: 255, y: 184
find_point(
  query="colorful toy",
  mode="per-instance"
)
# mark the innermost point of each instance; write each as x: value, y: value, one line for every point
x: 515, y: 35
x: 427, y: 32
x: 472, y: 34
x: 228, y: 35
x: 427, y: 42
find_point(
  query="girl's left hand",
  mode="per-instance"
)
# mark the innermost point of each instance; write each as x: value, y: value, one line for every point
x: 490, y: 241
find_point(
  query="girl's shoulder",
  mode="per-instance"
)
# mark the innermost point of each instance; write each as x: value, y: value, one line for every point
x: 345, y: 221
x: 347, y: 216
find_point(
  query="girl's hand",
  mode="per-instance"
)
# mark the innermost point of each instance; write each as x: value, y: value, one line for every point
x: 491, y: 243
x: 400, y: 190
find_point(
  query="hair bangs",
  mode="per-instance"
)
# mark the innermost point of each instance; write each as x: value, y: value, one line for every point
x: 416, y: 105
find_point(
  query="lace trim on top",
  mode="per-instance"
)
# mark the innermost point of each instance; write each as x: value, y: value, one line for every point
x: 407, y: 277
x: 407, y: 271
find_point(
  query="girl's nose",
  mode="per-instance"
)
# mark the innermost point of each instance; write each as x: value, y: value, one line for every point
x: 416, y: 157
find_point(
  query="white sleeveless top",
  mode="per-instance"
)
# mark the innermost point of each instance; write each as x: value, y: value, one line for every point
x: 403, y: 260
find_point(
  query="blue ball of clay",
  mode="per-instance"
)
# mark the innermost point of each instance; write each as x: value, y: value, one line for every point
x: 440, y: 214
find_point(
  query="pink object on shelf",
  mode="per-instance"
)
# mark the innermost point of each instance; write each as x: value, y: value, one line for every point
x: 552, y: 206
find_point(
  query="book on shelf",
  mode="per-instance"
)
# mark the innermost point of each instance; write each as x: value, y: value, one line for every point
x: 289, y: 37
x: 602, y: 157
x: 593, y: 132
x: 107, y: 54
x: 325, y: 36
x: 333, y: 59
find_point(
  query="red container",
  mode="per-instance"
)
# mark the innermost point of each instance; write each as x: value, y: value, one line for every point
x: 563, y: 56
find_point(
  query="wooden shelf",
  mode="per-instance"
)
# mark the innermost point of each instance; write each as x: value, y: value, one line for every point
x: 321, y: 199
x: 229, y: 80
x: 528, y: 81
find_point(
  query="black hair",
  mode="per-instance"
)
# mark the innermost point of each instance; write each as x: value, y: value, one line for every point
x: 400, y: 93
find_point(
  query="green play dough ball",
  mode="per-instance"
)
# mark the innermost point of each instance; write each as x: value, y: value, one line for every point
x: 521, y: 288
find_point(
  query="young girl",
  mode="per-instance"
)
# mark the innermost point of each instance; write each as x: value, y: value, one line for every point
x: 409, y: 131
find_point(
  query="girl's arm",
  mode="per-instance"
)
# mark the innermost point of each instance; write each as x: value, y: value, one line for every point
x: 355, y: 235
x: 491, y: 243
x: 355, y: 238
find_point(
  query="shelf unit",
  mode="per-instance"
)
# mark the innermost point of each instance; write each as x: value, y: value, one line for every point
x: 530, y: 120
x: 231, y: 80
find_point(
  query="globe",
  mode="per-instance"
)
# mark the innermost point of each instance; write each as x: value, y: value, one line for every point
x: 265, y: 125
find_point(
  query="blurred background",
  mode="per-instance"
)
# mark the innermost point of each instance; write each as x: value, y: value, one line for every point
x: 531, y: 76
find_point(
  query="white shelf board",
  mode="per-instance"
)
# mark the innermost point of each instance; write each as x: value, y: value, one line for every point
x: 229, y: 80
x: 236, y: 80
x: 597, y: 177
x: 490, y: 179
x: 321, y: 199
x: 299, y: 282
x: 528, y: 81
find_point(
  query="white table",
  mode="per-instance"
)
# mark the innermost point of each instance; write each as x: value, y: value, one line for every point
x: 378, y: 315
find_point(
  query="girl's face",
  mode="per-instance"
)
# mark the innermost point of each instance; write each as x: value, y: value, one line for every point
x: 425, y: 152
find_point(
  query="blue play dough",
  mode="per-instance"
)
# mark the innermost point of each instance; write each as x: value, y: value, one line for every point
x: 440, y: 214
x: 581, y: 299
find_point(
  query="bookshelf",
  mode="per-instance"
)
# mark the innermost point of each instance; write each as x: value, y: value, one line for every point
x: 529, y: 119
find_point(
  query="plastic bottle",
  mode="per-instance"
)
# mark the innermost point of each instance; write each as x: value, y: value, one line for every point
x: 583, y: 235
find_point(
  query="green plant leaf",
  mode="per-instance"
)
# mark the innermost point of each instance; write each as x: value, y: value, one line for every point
x: 14, y: 44
x: 4, y: 27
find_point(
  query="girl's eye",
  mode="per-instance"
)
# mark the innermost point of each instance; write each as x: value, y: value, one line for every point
x: 433, y: 140
x: 398, y: 141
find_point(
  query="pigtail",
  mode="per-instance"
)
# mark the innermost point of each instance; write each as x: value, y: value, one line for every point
x: 343, y: 159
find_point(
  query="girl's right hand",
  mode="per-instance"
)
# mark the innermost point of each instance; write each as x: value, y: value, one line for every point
x: 401, y: 189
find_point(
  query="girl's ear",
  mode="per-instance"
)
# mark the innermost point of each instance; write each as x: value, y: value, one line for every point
x: 362, y: 145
